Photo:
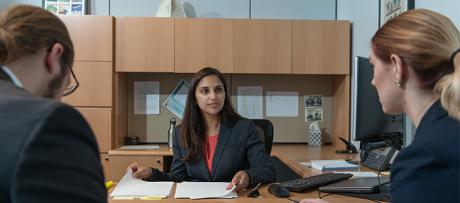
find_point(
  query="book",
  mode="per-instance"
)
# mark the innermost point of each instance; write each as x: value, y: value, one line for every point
x: 332, y: 165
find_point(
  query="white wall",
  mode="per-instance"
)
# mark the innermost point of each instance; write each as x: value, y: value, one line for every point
x: 449, y: 8
x: 6, y: 3
x: 293, y: 9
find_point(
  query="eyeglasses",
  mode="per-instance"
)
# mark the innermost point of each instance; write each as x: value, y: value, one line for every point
x: 73, y: 84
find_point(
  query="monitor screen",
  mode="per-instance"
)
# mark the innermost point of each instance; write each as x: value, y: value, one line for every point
x: 368, y: 122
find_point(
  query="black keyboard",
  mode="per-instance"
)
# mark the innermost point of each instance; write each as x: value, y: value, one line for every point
x: 314, y: 182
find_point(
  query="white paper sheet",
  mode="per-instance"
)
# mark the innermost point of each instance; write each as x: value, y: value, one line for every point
x: 250, y: 101
x: 282, y: 104
x: 201, y: 190
x: 177, y: 99
x: 146, y: 97
x: 132, y: 187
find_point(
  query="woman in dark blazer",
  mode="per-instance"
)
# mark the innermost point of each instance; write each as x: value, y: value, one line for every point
x: 213, y: 143
x: 417, y: 71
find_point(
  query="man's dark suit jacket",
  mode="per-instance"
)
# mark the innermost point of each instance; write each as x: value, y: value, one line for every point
x: 428, y: 170
x: 48, y: 152
x: 238, y: 148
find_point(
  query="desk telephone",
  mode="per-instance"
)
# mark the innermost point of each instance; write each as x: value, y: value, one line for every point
x: 378, y: 159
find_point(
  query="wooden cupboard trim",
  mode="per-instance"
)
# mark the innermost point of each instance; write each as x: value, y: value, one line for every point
x: 321, y: 47
x: 203, y: 43
x: 100, y: 121
x: 144, y: 44
x: 262, y: 46
x: 92, y: 36
x: 341, y: 108
x: 95, y: 88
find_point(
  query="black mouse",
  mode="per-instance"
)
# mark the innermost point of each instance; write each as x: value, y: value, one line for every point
x: 278, y: 190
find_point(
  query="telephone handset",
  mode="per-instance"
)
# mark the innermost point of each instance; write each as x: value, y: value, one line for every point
x: 380, y: 158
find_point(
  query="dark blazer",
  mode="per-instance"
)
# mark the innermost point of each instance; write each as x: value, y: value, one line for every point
x: 238, y: 148
x: 48, y: 152
x: 428, y: 170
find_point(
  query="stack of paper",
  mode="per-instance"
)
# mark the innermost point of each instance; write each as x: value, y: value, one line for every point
x: 332, y: 164
x: 130, y: 187
x: 201, y: 190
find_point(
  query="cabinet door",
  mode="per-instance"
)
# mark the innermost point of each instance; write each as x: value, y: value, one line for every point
x: 95, y: 88
x: 321, y: 47
x: 91, y: 36
x: 144, y: 44
x: 203, y: 43
x: 100, y: 120
x: 119, y: 163
x: 262, y: 46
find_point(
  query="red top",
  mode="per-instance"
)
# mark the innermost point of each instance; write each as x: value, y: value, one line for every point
x: 209, y: 149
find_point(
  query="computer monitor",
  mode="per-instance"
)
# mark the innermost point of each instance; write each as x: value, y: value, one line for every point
x: 368, y: 122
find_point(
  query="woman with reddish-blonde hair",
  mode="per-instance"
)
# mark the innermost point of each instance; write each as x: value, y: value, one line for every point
x: 417, y: 71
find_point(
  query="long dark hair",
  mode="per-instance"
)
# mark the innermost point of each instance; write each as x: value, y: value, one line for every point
x: 192, y: 128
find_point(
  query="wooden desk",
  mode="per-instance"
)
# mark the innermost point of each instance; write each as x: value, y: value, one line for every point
x: 291, y: 154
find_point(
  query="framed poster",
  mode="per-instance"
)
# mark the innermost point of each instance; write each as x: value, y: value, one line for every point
x: 66, y: 7
x: 392, y: 8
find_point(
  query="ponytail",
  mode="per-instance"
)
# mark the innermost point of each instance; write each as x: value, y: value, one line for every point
x: 449, y: 88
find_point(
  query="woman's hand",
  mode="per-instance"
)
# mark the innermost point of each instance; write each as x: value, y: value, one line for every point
x: 241, y: 180
x: 140, y: 171
x: 313, y: 201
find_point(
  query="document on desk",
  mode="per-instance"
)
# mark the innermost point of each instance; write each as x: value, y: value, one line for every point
x: 130, y: 187
x: 202, y: 190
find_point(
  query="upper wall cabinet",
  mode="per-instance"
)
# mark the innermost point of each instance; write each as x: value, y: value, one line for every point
x: 262, y: 46
x: 203, y: 43
x: 144, y: 44
x: 91, y: 36
x: 321, y: 47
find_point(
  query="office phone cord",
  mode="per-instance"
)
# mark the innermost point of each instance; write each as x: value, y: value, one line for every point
x: 380, y: 187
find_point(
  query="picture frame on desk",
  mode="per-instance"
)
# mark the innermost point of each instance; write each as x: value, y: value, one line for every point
x: 392, y: 8
x: 66, y: 7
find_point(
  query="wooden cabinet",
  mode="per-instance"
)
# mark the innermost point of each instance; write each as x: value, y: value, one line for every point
x: 105, y: 165
x: 320, y: 47
x: 262, y: 46
x: 95, y: 84
x: 92, y: 37
x: 100, y: 120
x: 203, y: 43
x: 119, y: 163
x: 144, y: 44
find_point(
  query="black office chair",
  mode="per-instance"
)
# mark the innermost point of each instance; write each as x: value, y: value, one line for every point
x: 264, y: 129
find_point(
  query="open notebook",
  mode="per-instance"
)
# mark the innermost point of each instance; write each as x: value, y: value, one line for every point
x: 130, y: 187
x: 201, y: 190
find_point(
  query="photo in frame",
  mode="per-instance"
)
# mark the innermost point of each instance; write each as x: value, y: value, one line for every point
x: 392, y: 8
x: 66, y: 7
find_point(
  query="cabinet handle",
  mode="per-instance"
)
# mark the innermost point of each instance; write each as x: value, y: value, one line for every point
x: 106, y: 158
x: 158, y: 161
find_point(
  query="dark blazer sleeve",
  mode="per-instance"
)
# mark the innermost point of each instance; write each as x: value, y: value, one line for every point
x: 261, y: 169
x: 60, y: 163
x: 178, y: 171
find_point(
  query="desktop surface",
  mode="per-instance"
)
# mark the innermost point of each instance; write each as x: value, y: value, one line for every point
x: 291, y: 155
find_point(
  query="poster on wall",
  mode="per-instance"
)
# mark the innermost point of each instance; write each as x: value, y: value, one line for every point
x: 392, y: 8
x: 66, y: 7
